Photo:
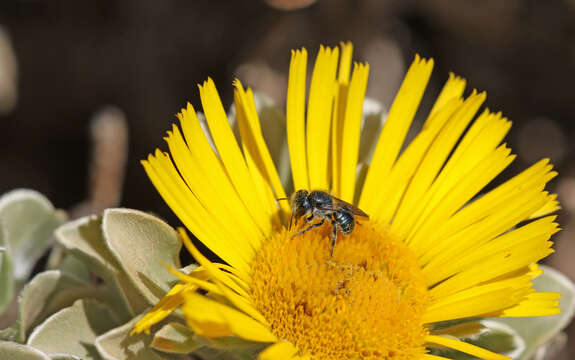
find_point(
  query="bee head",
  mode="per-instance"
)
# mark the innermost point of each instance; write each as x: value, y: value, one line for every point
x: 300, y: 203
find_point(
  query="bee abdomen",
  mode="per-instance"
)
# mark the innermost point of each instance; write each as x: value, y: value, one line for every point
x: 345, y: 221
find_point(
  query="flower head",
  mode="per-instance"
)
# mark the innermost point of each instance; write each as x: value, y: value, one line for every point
x: 433, y: 250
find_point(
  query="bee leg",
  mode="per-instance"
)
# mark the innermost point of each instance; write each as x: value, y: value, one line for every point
x: 290, y: 220
x: 333, y: 235
x: 309, y: 228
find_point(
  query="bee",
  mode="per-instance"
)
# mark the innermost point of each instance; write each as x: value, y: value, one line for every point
x: 321, y: 206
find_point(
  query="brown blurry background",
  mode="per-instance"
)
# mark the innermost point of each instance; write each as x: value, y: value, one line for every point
x: 64, y: 62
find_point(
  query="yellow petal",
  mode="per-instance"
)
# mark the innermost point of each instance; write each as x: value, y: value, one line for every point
x: 530, y: 180
x: 337, y: 123
x: 252, y: 136
x: 345, y: 62
x: 241, y: 278
x: 233, y: 219
x: 468, y: 187
x: 398, y: 122
x: 212, y: 169
x: 210, y: 318
x: 535, y: 232
x: 393, y: 188
x: 352, y: 130
x: 550, y: 206
x: 320, y: 104
x: 263, y: 189
x: 471, y: 302
x: 536, y: 304
x: 236, y: 295
x: 216, y: 274
x: 284, y: 350
x: 198, y: 283
x: 453, y: 89
x: 295, y: 117
x: 420, y: 190
x: 487, y: 269
x: 449, y: 196
x: 170, y: 302
x: 191, y: 212
x: 473, y: 238
x: 232, y: 157
x: 465, y: 347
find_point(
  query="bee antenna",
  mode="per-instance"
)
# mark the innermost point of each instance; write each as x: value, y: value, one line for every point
x: 291, y: 216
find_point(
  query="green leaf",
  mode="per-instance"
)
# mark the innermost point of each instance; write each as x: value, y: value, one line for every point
x: 28, y: 219
x: 118, y: 344
x: 64, y: 357
x: 233, y: 343
x: 143, y: 246
x: 539, y: 331
x: 188, y: 268
x: 84, y: 239
x: 27, y: 222
x: 208, y: 352
x: 228, y: 348
x: 10, y: 334
x: 175, y: 338
x: 493, y: 336
x: 72, y: 266
x: 11, y: 350
x: 6, y: 273
x: 73, y: 330
x: 51, y: 291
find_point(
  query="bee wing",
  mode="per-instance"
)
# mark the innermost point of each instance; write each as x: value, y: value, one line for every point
x: 338, y: 203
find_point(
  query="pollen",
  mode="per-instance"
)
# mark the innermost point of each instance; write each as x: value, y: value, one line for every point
x: 365, y: 302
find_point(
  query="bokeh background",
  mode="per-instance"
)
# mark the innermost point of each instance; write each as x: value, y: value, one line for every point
x: 80, y: 78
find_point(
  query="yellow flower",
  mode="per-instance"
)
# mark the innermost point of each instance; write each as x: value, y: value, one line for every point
x: 432, y: 250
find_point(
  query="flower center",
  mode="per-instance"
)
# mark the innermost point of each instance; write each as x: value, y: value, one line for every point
x: 365, y: 302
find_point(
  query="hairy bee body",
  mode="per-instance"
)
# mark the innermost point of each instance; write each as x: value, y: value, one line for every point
x: 319, y: 205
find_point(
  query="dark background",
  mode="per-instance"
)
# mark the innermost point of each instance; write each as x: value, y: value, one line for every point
x: 146, y: 57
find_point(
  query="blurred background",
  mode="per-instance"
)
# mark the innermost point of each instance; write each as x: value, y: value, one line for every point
x: 88, y: 88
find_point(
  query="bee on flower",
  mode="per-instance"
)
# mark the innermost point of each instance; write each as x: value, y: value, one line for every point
x: 431, y: 254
